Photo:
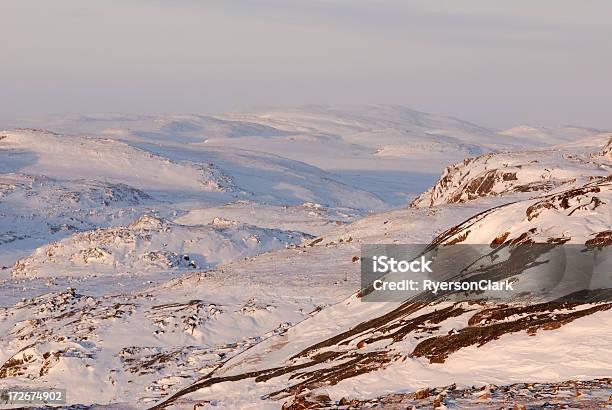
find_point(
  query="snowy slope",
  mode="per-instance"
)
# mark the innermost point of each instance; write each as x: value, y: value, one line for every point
x: 73, y: 157
x: 37, y: 209
x: 518, y: 173
x: 359, y: 350
x: 308, y: 217
x: 216, y: 175
x: 152, y: 244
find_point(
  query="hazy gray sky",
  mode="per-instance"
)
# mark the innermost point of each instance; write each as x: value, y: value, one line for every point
x: 496, y: 63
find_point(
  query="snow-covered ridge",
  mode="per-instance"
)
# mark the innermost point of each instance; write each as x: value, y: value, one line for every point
x: 173, y: 168
x: 515, y: 173
x: 77, y: 157
x: 152, y: 244
x: 74, y: 194
x: 577, y: 215
x: 36, y: 209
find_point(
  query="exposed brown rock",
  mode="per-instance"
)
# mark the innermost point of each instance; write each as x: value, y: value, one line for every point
x: 500, y: 239
x: 437, y: 349
x: 316, y: 241
x: 600, y: 240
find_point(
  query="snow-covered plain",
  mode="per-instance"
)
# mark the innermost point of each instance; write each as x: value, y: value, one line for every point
x: 212, y: 261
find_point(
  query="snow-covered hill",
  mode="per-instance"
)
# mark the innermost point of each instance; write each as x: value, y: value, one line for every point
x: 152, y: 244
x: 36, y: 209
x: 518, y: 173
x: 216, y: 175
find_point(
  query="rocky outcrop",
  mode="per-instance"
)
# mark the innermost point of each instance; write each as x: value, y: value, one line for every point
x: 516, y: 173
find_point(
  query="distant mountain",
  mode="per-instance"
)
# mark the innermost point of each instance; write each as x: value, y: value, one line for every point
x: 550, y: 135
x: 391, y: 151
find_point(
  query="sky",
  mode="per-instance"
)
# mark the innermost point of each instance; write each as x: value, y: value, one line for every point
x: 498, y: 64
